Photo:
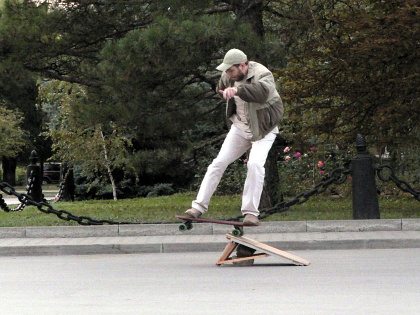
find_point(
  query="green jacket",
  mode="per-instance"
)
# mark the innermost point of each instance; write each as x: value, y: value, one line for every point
x: 263, y: 105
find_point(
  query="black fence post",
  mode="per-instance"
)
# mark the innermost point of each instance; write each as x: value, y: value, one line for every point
x: 34, y: 178
x: 365, y: 198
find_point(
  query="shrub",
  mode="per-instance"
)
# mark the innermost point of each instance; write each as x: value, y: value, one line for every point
x: 21, y: 176
x: 161, y: 190
x: 301, y: 170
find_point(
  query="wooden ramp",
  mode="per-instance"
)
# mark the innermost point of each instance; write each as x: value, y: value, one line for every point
x: 264, y: 249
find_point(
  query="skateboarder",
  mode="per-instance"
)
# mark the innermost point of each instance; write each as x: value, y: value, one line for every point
x: 254, y: 108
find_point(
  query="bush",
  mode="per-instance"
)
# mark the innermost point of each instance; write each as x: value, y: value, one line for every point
x: 161, y: 190
x: 301, y: 170
x: 405, y: 166
x: 21, y: 176
x: 232, y: 181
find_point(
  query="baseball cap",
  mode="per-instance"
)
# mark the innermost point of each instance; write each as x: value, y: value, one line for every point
x: 232, y: 57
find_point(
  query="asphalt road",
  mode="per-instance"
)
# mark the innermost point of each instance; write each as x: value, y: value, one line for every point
x: 376, y: 281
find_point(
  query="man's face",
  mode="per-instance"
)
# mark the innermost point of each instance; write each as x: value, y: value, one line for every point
x: 235, y: 72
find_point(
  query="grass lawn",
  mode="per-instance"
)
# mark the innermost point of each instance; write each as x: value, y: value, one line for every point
x: 163, y: 209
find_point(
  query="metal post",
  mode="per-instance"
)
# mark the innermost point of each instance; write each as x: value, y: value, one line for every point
x: 34, y: 178
x: 365, y: 198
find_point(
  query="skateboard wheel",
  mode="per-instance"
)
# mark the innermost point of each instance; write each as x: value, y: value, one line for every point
x: 189, y: 225
x: 237, y: 232
x: 185, y: 226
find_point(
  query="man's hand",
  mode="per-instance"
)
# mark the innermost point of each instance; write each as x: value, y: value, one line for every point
x: 229, y: 92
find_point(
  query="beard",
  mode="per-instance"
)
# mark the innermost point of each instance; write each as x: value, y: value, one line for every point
x: 239, y: 77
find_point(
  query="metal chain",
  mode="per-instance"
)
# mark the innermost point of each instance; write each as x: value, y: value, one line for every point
x: 401, y: 184
x: 59, y: 195
x: 338, y: 176
x: 47, y: 208
x: 22, y: 205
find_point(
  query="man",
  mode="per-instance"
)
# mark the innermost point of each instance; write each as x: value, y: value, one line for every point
x: 254, y: 108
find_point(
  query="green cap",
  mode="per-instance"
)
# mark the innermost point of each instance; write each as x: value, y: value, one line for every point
x: 232, y: 57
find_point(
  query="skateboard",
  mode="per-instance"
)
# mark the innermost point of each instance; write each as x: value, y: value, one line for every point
x: 187, y: 225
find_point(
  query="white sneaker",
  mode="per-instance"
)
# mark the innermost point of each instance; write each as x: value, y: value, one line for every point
x: 193, y: 213
x: 251, y: 219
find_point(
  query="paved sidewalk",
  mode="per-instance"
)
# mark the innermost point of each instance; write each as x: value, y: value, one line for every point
x: 206, y: 237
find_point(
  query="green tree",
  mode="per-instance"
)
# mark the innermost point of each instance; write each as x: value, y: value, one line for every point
x: 148, y: 66
x: 97, y: 148
x: 18, y: 92
x: 12, y: 137
x: 355, y: 70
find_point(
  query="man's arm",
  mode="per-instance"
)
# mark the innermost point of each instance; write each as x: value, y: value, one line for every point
x: 225, y: 91
x: 259, y: 91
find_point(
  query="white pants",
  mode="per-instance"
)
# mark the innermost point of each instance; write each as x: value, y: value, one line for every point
x: 235, y: 145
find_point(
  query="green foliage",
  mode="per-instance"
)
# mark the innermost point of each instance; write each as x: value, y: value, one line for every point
x: 12, y: 137
x: 161, y: 190
x: 152, y: 74
x: 21, y: 176
x: 156, y: 77
x: 233, y: 179
x: 99, y: 149
x: 59, y: 39
x: 405, y: 163
x: 145, y: 74
x: 300, y: 169
x: 356, y: 71
x: 18, y: 93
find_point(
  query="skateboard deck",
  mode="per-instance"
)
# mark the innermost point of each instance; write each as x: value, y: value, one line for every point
x: 187, y: 225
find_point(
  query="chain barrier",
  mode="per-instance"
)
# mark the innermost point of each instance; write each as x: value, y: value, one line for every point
x: 338, y: 176
x: 23, y: 198
x: 401, y: 184
x: 59, y: 195
x: 45, y: 207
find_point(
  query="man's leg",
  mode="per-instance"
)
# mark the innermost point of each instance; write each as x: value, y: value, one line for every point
x: 254, y: 182
x: 233, y: 147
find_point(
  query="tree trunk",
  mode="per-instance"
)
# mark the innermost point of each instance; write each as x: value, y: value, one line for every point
x: 109, y: 169
x: 270, y: 195
x: 251, y: 12
x: 67, y: 180
x: 9, y: 170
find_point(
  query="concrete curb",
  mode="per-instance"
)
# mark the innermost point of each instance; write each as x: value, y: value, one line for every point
x: 205, y: 243
x: 209, y: 228
x: 165, y: 238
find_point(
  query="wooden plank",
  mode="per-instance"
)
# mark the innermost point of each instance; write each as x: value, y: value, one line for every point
x: 230, y: 247
x: 231, y: 260
x: 267, y: 249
